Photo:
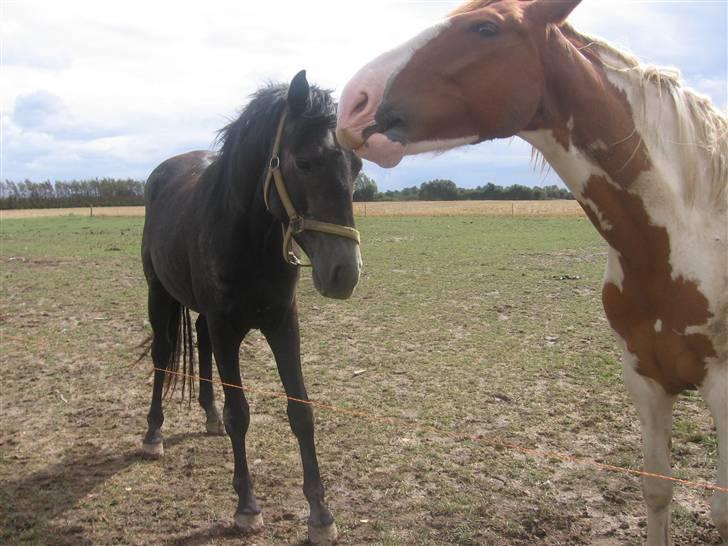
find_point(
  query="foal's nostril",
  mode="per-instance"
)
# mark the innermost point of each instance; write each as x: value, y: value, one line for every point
x: 361, y: 105
x: 345, y: 275
x: 337, y: 274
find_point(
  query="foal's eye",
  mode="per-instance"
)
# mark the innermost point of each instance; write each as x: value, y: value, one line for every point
x: 304, y: 164
x: 486, y: 28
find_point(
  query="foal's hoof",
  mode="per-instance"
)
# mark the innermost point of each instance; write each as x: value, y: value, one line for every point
x: 323, y: 536
x: 249, y: 523
x: 215, y: 427
x: 153, y: 451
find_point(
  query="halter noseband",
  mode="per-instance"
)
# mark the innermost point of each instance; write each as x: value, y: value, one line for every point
x: 297, y: 223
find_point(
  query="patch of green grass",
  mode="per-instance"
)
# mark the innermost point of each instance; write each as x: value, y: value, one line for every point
x: 71, y: 236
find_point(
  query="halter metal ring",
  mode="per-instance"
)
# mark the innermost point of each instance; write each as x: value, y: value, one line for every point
x: 296, y: 224
x: 275, y: 162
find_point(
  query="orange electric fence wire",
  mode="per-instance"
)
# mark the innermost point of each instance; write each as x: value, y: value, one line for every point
x: 536, y: 453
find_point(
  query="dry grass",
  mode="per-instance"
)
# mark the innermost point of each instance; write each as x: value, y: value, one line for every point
x: 554, y: 209
x: 78, y: 211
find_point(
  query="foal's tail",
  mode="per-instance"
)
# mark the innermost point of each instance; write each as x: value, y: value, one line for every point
x: 183, y: 351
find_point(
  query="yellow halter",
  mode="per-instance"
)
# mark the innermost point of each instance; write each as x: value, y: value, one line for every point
x: 297, y: 223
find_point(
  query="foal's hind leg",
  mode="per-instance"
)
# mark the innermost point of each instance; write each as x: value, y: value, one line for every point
x: 715, y: 392
x: 207, y: 395
x: 164, y: 316
x: 285, y: 343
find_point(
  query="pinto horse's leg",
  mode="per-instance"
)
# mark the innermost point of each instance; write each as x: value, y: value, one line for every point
x: 207, y: 394
x: 164, y: 317
x: 654, y: 406
x: 226, y: 341
x: 285, y: 342
x: 715, y: 392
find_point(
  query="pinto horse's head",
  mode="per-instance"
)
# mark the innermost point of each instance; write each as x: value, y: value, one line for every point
x: 478, y: 75
x: 311, y: 190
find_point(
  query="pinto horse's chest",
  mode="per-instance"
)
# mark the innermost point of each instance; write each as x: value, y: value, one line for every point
x: 666, y: 286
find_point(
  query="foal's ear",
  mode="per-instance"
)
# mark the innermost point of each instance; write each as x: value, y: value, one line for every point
x: 551, y: 11
x: 298, y: 94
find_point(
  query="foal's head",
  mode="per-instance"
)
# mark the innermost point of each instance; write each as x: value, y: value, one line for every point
x: 318, y: 175
x: 478, y: 75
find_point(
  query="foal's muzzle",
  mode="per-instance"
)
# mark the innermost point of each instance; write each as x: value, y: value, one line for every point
x: 336, y: 264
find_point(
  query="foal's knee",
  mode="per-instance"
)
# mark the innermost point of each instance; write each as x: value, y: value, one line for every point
x: 719, y: 506
x: 300, y: 417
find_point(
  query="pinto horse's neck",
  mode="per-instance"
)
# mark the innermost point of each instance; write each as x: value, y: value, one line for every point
x: 585, y: 127
x: 587, y: 131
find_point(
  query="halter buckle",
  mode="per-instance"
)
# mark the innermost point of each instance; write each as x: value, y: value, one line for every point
x: 275, y: 163
x: 295, y: 224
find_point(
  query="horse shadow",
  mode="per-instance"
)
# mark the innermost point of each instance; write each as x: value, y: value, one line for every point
x: 29, y: 504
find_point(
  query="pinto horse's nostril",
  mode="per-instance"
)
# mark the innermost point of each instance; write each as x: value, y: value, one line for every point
x: 390, y: 122
x: 361, y: 105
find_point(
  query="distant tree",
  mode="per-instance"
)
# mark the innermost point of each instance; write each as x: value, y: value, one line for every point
x: 365, y: 188
x: 411, y: 193
x: 439, y: 190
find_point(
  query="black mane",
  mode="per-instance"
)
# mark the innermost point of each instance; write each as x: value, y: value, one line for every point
x: 247, y: 140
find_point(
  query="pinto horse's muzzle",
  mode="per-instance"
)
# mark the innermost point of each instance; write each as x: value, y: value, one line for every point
x: 297, y: 223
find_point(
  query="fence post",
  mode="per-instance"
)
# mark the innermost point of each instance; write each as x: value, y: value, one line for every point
x: 513, y: 209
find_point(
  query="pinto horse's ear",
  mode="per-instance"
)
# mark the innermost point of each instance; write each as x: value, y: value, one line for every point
x: 298, y: 93
x: 551, y: 11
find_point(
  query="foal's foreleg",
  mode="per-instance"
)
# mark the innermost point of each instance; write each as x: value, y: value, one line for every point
x: 206, y: 397
x: 285, y: 343
x: 236, y: 416
x: 654, y: 406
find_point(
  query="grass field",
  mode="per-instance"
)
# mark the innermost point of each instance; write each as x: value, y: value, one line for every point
x: 465, y: 326
x: 559, y: 209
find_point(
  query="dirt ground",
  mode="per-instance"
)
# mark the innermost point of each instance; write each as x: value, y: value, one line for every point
x: 465, y: 332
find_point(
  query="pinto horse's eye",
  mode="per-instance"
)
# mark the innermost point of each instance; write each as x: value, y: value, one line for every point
x: 304, y: 164
x: 486, y: 28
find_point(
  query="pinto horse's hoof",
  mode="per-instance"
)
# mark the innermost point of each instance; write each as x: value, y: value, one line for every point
x: 323, y: 536
x: 153, y: 451
x: 215, y: 427
x: 249, y: 523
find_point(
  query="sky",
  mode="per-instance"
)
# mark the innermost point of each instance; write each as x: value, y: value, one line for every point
x: 110, y: 89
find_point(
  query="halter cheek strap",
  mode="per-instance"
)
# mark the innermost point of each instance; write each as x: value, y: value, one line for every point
x: 297, y: 223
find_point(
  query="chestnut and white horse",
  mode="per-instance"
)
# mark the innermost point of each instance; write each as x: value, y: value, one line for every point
x: 646, y: 158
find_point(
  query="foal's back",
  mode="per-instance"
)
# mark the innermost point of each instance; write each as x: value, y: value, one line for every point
x: 170, y: 198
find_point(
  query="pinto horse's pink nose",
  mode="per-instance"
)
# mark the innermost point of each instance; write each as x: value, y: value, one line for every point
x: 360, y: 100
x: 356, y: 112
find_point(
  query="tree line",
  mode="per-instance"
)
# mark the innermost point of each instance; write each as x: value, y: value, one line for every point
x: 107, y: 192
x: 365, y: 189
x: 104, y: 192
